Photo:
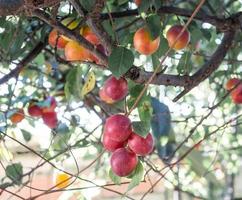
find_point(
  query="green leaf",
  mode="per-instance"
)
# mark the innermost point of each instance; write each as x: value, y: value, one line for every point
x: 60, y: 141
x: 67, y: 91
x: 120, y: 61
x: 163, y: 47
x: 40, y: 59
x: 125, y: 37
x: 134, y: 91
x: 121, y: 2
x: 141, y: 128
x: 144, y: 6
x: 145, y: 109
x: 7, y: 36
x: 196, y: 35
x: 137, y: 177
x: 154, y: 25
x: 27, y: 136
x: 15, y: 172
x: 116, y: 179
x: 108, y: 28
x: 157, y: 4
x: 73, y: 84
x: 185, y: 66
x: 88, y: 5
x: 15, y: 49
x: 206, y: 33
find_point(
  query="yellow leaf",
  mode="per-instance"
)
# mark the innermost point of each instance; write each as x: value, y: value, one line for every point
x: 71, y: 24
x: 89, y: 84
x: 48, y: 68
x: 5, y: 154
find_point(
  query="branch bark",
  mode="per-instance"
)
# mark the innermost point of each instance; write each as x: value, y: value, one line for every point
x: 138, y: 75
x: 222, y: 24
x: 226, y: 25
x: 210, y: 66
x: 73, y: 35
x: 15, y: 7
x: 31, y: 56
x: 95, y: 23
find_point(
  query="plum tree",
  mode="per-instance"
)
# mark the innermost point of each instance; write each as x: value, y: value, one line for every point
x: 126, y: 90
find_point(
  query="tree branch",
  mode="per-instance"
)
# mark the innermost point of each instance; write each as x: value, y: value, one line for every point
x: 138, y: 75
x: 222, y: 24
x: 94, y: 21
x: 210, y: 66
x: 78, y: 8
x: 71, y: 34
x: 15, y: 7
x: 31, y: 56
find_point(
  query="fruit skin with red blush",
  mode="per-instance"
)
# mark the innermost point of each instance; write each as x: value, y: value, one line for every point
x: 143, y: 43
x: 96, y: 60
x: 236, y: 94
x: 56, y: 40
x: 75, y: 52
x: 118, y: 127
x: 139, y: 145
x: 103, y: 96
x: 91, y: 37
x: 115, y: 88
x: 34, y: 110
x: 111, y: 145
x: 231, y: 83
x: 50, y: 119
x: 123, y: 162
x: 172, y: 35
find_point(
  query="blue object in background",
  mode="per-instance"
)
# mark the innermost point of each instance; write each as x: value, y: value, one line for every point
x: 161, y: 129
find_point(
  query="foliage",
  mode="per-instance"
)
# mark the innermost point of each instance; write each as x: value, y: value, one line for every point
x: 205, y: 115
